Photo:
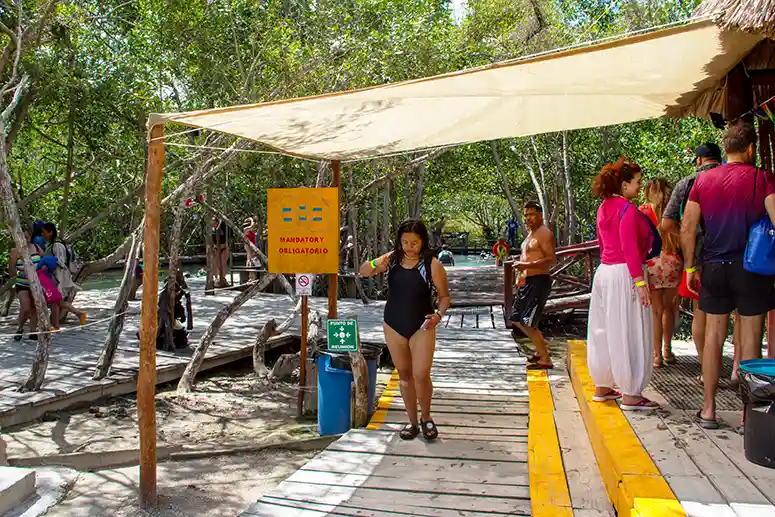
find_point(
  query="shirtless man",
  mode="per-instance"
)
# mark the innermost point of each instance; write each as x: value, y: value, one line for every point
x: 534, y: 283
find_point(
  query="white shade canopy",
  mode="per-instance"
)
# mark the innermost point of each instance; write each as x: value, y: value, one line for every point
x: 629, y: 79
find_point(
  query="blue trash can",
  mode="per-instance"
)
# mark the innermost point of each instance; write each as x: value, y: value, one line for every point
x: 335, y: 384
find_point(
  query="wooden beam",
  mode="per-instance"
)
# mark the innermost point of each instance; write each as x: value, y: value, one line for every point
x: 739, y: 94
x: 333, y: 280
x: 146, y: 379
x: 764, y: 77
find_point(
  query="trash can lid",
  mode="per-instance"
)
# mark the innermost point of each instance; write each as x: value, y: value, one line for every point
x: 759, y: 366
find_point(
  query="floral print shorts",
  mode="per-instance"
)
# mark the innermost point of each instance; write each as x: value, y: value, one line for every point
x: 664, y: 271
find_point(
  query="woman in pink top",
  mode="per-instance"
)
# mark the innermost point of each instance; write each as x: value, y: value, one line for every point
x: 620, y: 334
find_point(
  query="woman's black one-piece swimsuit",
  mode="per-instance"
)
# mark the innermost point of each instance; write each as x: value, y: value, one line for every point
x: 409, y: 299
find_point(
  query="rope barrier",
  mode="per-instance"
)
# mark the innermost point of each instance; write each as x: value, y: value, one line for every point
x: 71, y: 329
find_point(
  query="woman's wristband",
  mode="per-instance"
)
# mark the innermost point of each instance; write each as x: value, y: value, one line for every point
x: 641, y: 283
x: 691, y: 269
x: 373, y: 263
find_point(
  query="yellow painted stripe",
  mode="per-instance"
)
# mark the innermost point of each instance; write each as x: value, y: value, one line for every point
x: 549, y: 494
x: 383, y: 406
x: 634, y: 484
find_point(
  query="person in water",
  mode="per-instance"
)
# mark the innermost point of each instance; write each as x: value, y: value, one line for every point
x: 446, y: 257
x: 534, y: 283
x: 411, y: 318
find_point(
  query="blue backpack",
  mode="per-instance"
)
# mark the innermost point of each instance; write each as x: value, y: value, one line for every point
x: 759, y: 255
x: 760, y: 250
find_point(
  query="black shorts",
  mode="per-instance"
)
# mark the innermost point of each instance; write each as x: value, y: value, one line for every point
x: 727, y: 286
x: 20, y: 288
x: 531, y: 299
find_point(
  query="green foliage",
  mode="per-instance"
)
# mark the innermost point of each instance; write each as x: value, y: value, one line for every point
x: 107, y: 64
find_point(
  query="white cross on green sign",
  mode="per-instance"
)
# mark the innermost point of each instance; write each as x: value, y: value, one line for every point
x: 343, y: 335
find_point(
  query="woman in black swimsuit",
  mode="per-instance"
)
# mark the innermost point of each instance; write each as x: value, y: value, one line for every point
x: 411, y: 319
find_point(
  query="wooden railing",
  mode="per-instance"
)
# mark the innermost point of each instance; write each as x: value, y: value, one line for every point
x: 568, y: 291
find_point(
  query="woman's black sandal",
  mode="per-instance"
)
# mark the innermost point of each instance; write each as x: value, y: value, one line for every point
x: 409, y: 432
x: 429, y: 430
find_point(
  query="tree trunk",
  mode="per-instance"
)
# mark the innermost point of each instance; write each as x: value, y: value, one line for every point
x: 356, y: 251
x: 187, y: 380
x: 69, y: 172
x: 314, y: 335
x: 516, y: 211
x: 322, y: 179
x: 209, y: 257
x: 8, y: 303
x: 570, y: 209
x: 174, y: 249
x: 361, y: 380
x: 40, y: 364
x: 386, y: 218
x: 418, y: 191
x: 267, y: 332
x: 540, y: 188
x: 119, y: 312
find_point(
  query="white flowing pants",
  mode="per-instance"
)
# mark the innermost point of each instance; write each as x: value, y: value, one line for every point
x: 620, y: 347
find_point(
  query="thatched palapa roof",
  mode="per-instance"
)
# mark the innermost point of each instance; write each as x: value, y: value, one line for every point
x: 755, y: 16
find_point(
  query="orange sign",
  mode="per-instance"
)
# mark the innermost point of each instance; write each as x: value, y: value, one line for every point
x: 303, y: 228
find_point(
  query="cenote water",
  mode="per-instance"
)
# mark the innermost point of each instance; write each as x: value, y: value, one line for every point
x: 112, y: 279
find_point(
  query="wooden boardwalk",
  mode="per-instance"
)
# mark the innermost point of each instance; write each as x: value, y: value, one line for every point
x: 75, y: 351
x: 484, y: 463
x: 665, y: 464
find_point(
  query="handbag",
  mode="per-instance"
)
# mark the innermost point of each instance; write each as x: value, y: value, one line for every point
x: 759, y: 255
x: 50, y: 291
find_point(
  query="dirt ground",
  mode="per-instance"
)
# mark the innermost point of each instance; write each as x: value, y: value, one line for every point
x: 213, y: 487
x: 230, y: 407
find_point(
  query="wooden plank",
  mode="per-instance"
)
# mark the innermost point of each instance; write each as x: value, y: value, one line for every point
x: 346, y: 509
x: 473, y: 432
x: 384, y: 499
x: 391, y: 444
x: 441, y: 485
x: 417, y: 468
x: 443, y: 419
x: 469, y: 408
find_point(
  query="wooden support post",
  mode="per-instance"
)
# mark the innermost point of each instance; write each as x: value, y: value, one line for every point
x: 146, y: 379
x: 508, y: 289
x: 333, y: 280
x: 303, y: 352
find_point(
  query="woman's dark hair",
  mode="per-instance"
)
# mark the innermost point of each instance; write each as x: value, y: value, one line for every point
x: 410, y: 226
x: 52, y: 229
x: 609, y: 182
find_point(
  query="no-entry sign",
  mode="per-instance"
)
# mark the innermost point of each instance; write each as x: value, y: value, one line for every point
x: 303, y: 284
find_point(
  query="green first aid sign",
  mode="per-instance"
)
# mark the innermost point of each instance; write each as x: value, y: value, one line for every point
x: 343, y: 335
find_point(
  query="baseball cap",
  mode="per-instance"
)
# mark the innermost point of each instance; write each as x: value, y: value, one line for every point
x: 708, y: 150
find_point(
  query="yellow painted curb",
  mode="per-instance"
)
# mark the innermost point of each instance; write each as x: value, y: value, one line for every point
x: 385, y: 400
x: 634, y: 484
x: 549, y: 494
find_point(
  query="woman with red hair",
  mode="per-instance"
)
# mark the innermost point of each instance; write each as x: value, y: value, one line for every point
x: 620, y: 333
